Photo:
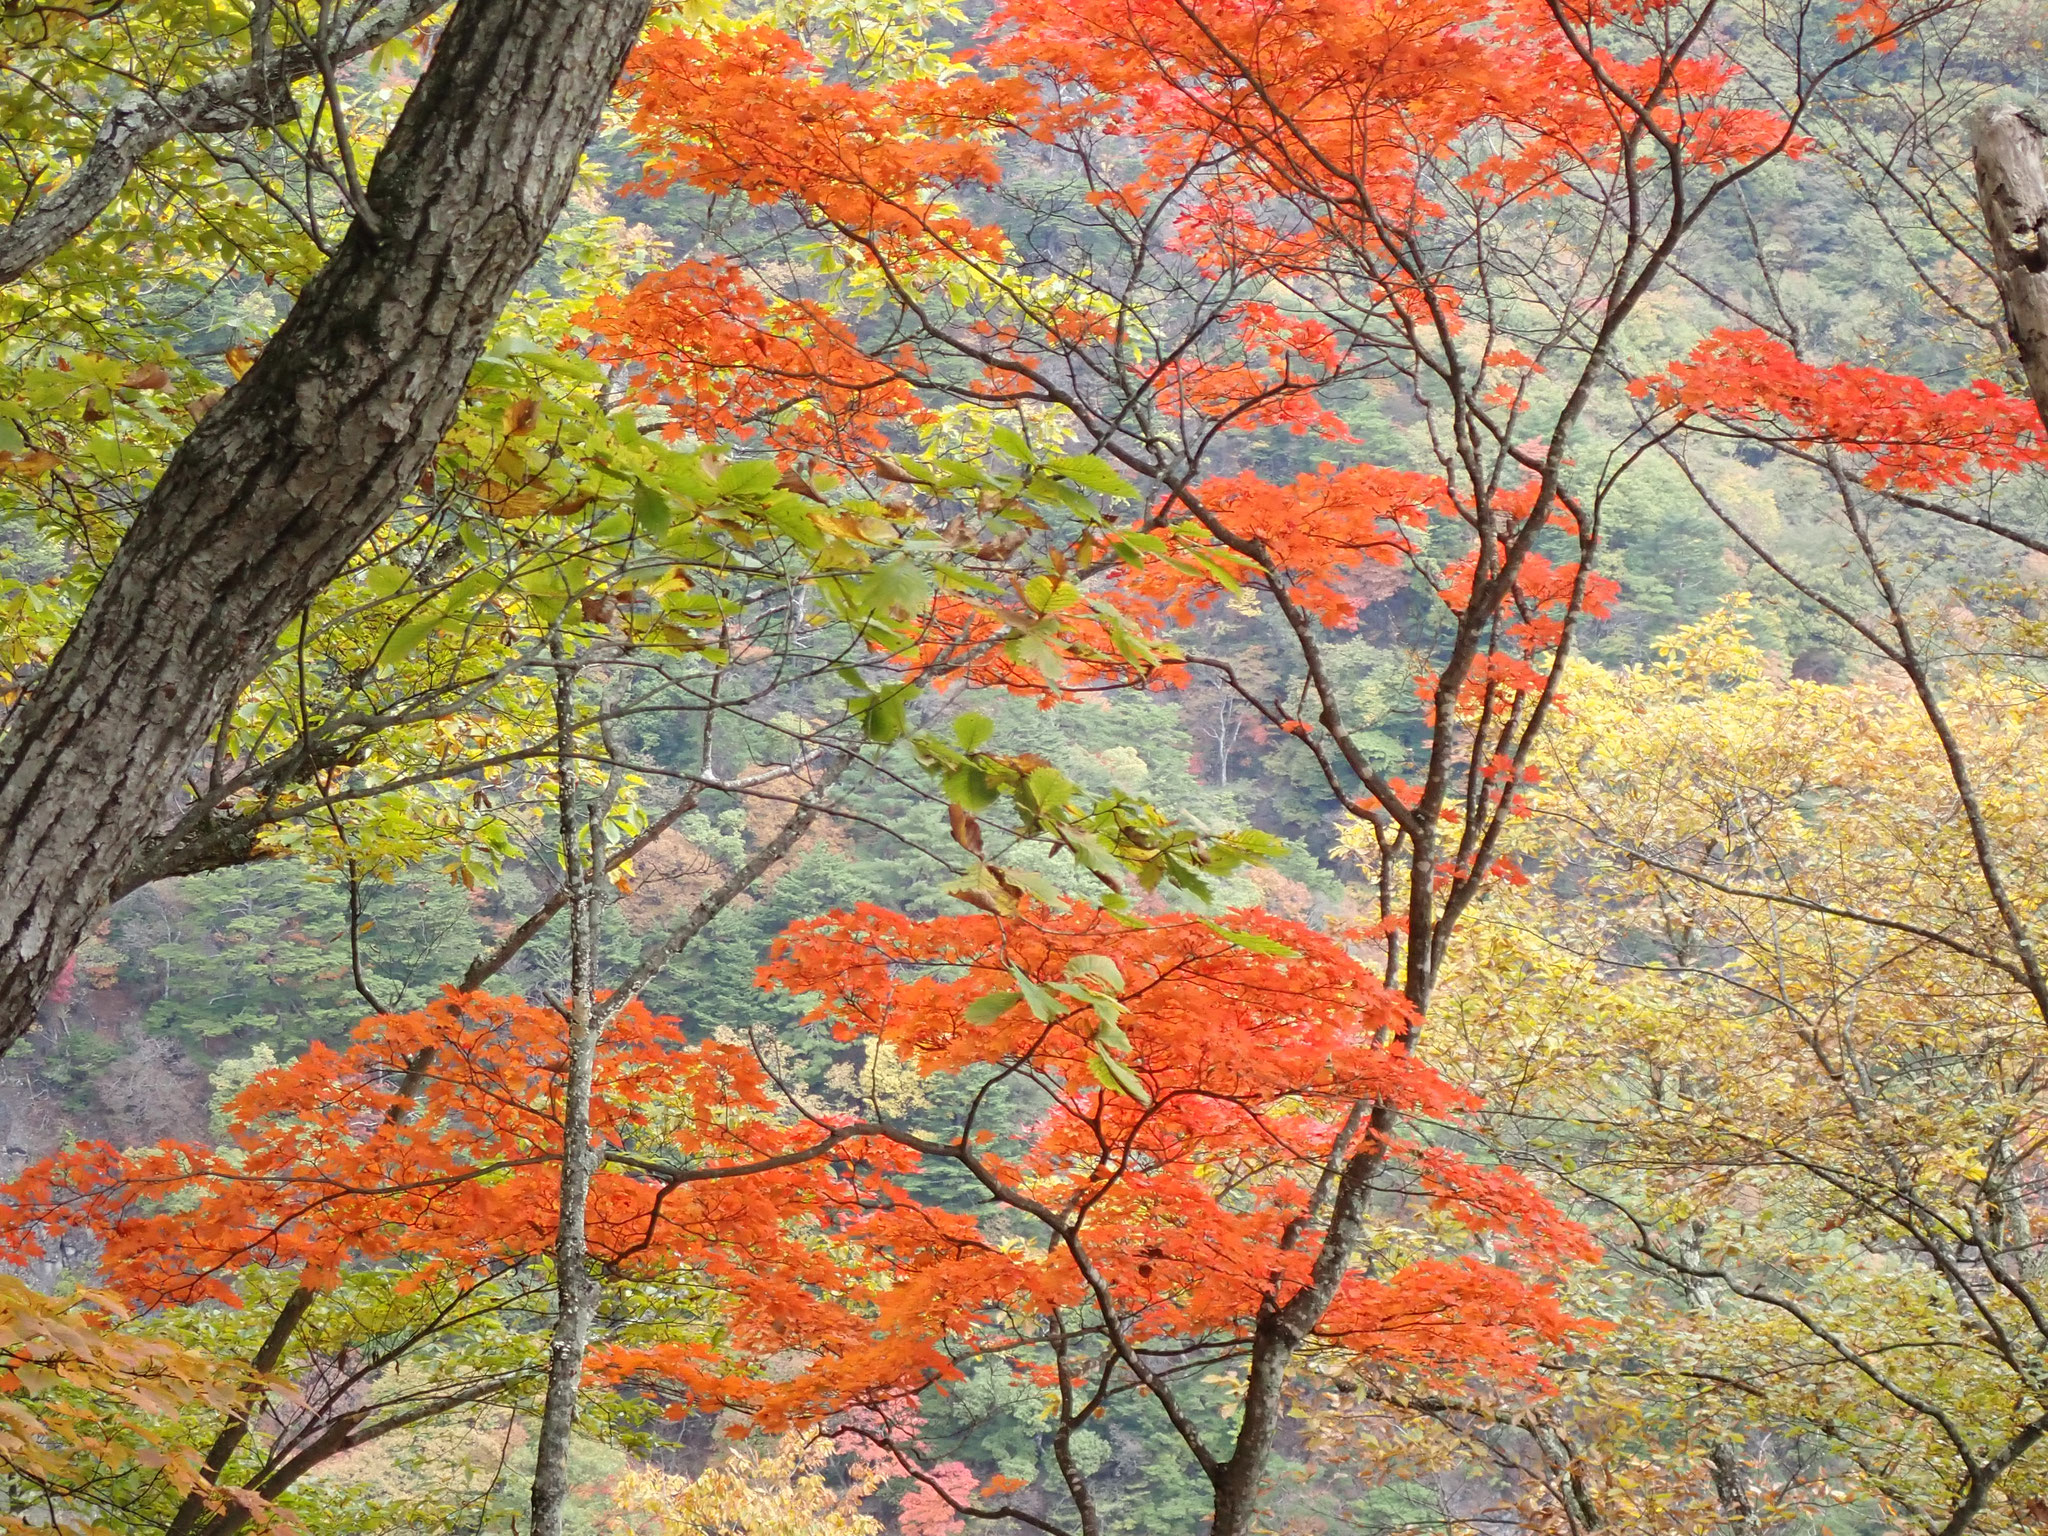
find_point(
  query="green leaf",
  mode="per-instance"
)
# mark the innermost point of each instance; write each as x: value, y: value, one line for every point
x: 1048, y: 594
x: 749, y: 477
x: 1044, y: 1006
x: 990, y: 1006
x: 1097, y: 968
x: 1256, y: 943
x: 973, y: 731
x: 1117, y: 1077
x: 652, y: 510
x: 383, y: 580
x: 884, y: 715
x: 896, y: 586
x: 1089, y: 471
x: 406, y: 638
x: 1132, y: 548
x: 969, y: 788
x: 1049, y: 788
x: 1034, y: 884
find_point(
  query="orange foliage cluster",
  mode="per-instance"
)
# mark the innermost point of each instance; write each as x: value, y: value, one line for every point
x: 1913, y: 437
x: 1279, y: 146
x: 1531, y: 618
x: 973, y: 643
x: 1327, y: 526
x: 1251, y: 1065
x: 1263, y: 120
x: 1331, y: 98
x: 727, y: 360
x: 323, y: 1169
x: 1254, y: 1064
x: 753, y: 112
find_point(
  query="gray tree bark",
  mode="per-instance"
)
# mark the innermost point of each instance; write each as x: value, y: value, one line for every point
x: 283, y: 480
x: 576, y: 1291
x: 2012, y: 191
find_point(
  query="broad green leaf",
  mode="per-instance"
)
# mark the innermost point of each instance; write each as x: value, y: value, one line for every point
x: 1097, y: 968
x: 383, y: 580
x: 1117, y: 1077
x: 990, y: 1006
x: 1088, y: 471
x: 749, y: 477
x: 1044, y: 1006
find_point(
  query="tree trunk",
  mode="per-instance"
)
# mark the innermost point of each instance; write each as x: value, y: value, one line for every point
x: 283, y: 480
x: 583, y: 880
x: 2012, y: 190
x: 576, y: 1291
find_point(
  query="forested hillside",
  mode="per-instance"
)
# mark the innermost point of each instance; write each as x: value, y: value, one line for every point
x: 888, y: 768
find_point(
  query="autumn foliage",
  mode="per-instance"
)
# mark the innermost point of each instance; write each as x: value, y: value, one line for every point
x: 1049, y: 350
x: 1159, y: 1100
x: 1900, y: 433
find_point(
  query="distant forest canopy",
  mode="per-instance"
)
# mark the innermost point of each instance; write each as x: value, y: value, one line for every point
x: 887, y: 768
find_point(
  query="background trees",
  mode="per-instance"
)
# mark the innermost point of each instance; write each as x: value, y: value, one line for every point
x: 1759, y: 1020
x: 1106, y: 473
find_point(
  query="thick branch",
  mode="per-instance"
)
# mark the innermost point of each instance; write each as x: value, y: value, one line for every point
x: 2012, y: 190
x: 253, y: 95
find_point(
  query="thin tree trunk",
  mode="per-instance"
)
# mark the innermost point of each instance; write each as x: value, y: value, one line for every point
x: 575, y: 1286
x: 283, y: 480
x: 2012, y: 190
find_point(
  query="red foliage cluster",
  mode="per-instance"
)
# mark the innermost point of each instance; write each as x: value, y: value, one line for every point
x: 324, y: 1167
x: 753, y: 112
x: 1254, y: 1047
x: 1911, y: 436
x: 1180, y: 1202
x: 1283, y: 148
x: 1324, y: 527
x: 1327, y: 100
x: 727, y: 360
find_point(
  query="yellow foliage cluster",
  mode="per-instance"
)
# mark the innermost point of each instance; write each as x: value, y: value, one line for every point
x: 1760, y: 1020
x: 775, y: 1490
x: 62, y: 1367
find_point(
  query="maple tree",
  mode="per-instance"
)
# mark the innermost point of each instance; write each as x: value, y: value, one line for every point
x: 1011, y: 362
x: 1771, y: 1003
x: 1176, y: 236
x: 1189, y: 1093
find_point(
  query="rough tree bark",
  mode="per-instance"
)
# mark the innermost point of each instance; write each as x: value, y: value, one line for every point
x: 298, y: 464
x: 2012, y: 190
